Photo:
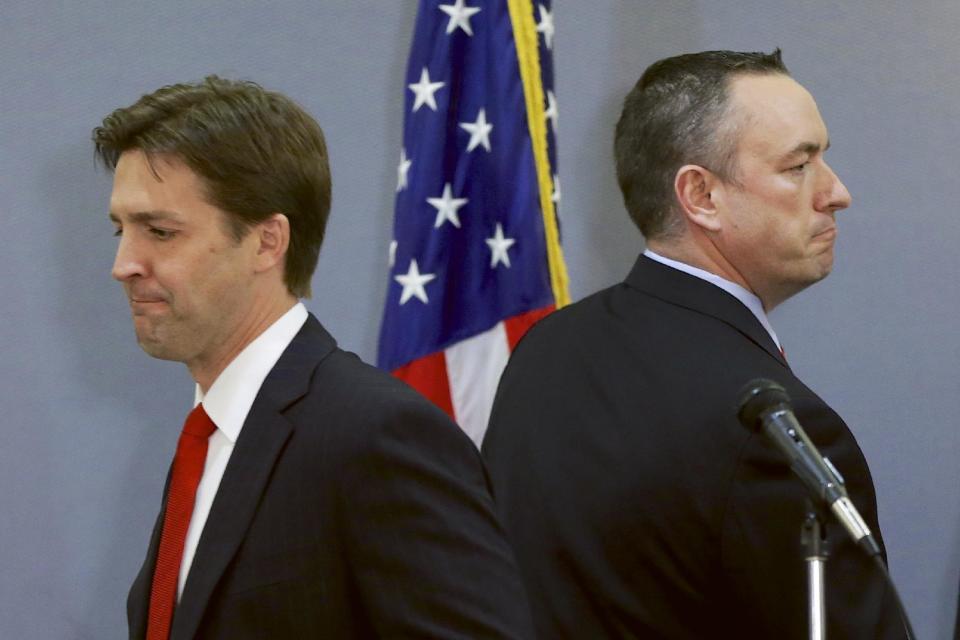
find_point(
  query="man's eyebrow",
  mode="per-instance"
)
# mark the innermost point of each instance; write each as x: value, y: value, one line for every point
x: 806, y: 149
x: 142, y: 217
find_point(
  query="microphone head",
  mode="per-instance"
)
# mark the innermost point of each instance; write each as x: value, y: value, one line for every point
x: 756, y: 398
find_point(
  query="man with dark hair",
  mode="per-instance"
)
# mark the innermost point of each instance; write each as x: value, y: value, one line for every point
x: 310, y: 495
x: 637, y: 504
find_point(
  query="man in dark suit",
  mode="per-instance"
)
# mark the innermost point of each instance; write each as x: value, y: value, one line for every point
x: 637, y: 505
x: 310, y: 495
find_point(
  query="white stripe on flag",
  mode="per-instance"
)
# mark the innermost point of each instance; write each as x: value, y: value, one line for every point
x: 473, y: 369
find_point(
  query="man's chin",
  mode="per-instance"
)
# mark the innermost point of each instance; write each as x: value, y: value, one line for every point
x: 819, y: 266
x: 154, y: 347
x: 817, y: 275
x: 157, y: 351
x: 800, y: 280
x: 826, y: 266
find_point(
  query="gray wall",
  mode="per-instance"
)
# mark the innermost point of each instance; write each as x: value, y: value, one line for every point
x: 89, y: 422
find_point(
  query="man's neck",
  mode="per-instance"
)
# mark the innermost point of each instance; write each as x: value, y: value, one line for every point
x: 691, y: 253
x: 750, y: 300
x: 261, y: 317
x: 702, y: 254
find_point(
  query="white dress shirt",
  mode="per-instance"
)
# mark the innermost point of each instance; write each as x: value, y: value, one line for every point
x: 747, y: 297
x: 227, y: 402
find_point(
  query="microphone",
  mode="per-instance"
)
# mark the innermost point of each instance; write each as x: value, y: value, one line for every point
x: 764, y: 404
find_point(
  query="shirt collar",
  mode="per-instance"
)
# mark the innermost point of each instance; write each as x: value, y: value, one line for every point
x: 747, y: 297
x: 229, y: 398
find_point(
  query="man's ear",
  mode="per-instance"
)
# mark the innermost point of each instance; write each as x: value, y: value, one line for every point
x: 695, y: 187
x: 273, y: 238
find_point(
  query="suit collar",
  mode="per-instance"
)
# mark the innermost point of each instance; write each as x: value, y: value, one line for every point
x: 229, y: 398
x: 261, y: 441
x: 682, y: 289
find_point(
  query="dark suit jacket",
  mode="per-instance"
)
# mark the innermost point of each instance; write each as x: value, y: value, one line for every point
x: 637, y: 505
x: 350, y: 508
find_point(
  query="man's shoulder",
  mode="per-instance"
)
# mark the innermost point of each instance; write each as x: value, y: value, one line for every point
x: 345, y: 380
x: 350, y: 401
x: 617, y: 314
x: 339, y: 380
x: 592, y: 310
x: 363, y: 418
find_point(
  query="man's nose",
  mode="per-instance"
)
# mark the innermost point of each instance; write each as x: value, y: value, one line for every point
x: 127, y: 263
x: 834, y: 196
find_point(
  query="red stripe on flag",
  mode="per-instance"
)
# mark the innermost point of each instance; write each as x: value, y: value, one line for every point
x: 428, y: 375
x: 518, y: 325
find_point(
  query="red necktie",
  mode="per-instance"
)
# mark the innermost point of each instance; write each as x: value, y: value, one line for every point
x: 187, y: 468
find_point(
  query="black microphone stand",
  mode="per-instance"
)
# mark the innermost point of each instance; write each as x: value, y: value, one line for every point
x: 813, y: 535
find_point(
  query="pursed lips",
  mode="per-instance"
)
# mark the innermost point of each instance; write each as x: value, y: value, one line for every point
x: 141, y: 303
x: 826, y: 234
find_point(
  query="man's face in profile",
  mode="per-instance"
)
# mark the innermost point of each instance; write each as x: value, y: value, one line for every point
x: 187, y: 279
x: 779, y: 227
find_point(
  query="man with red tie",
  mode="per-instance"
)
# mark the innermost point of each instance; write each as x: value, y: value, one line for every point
x: 310, y: 494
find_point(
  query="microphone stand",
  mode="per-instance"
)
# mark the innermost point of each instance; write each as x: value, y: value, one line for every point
x: 813, y: 536
x: 764, y: 404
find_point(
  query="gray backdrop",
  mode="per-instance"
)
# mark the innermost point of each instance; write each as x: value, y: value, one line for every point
x: 90, y: 423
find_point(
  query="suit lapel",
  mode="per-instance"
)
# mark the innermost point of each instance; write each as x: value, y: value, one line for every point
x: 690, y: 292
x: 261, y: 441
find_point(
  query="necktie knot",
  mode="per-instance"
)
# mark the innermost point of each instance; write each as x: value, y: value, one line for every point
x: 199, y: 424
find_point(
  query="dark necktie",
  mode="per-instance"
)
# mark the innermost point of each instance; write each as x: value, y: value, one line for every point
x: 187, y: 468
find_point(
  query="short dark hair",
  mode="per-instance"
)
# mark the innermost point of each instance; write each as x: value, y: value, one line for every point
x: 257, y: 152
x: 675, y: 115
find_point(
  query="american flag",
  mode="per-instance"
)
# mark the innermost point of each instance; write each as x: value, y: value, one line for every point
x: 475, y: 258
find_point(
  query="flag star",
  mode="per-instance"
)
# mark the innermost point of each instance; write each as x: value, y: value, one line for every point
x: 392, y: 254
x: 498, y: 248
x: 551, y: 113
x: 446, y: 206
x: 545, y: 26
x: 424, y: 91
x: 460, y: 15
x: 556, y: 189
x: 479, y: 131
x: 402, y: 169
x: 413, y: 282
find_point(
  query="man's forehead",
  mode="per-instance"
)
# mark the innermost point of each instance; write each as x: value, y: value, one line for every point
x: 777, y: 113
x: 752, y: 86
x: 143, y: 183
x: 157, y: 165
